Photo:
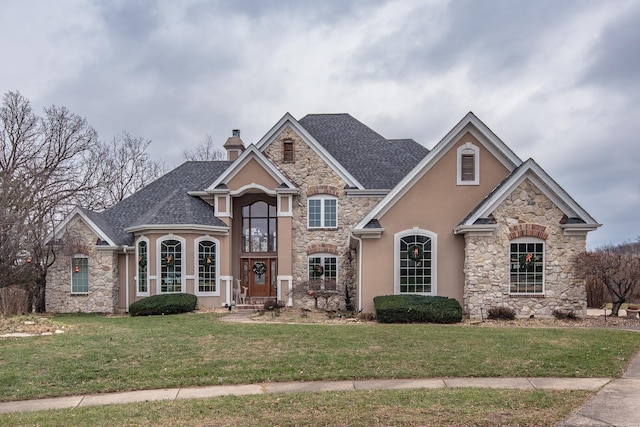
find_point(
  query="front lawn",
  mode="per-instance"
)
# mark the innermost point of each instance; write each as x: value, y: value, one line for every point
x: 105, y: 354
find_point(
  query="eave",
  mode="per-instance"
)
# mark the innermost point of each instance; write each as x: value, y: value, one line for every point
x: 169, y: 228
x: 476, y: 229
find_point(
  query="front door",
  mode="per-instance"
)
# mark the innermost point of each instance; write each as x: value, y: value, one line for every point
x: 259, y: 275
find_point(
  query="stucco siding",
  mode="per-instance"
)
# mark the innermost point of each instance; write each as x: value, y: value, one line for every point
x: 437, y: 204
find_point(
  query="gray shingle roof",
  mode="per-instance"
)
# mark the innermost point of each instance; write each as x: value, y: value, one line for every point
x: 376, y: 162
x: 164, y: 201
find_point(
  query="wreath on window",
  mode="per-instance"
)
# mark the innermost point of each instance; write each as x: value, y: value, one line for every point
x: 168, y: 261
x: 259, y: 268
x: 206, y: 260
x: 415, y: 253
x: 142, y: 261
x: 527, y: 261
x: 318, y: 270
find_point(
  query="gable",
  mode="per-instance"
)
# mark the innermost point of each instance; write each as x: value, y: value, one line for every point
x: 436, y: 199
x: 576, y: 219
x: 289, y: 123
x: 252, y: 172
x: 252, y: 168
x: 497, y: 160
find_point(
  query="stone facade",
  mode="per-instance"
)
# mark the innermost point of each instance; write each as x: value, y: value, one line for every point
x: 313, y: 176
x: 525, y: 212
x: 103, y: 275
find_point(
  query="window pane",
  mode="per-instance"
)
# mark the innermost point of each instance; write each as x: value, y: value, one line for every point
x: 171, y: 266
x: 143, y: 266
x: 330, y: 213
x: 526, y: 262
x: 315, y: 213
x: 80, y: 275
x: 415, y: 264
x: 259, y: 228
x: 207, y: 267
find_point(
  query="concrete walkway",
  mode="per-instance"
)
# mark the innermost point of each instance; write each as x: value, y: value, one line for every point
x: 591, y: 384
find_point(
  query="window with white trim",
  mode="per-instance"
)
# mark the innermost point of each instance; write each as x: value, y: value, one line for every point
x: 526, y: 271
x: 323, y: 272
x: 415, y: 262
x: 142, y: 288
x: 468, y: 164
x: 207, y: 267
x: 322, y: 211
x: 170, y: 266
x: 80, y: 274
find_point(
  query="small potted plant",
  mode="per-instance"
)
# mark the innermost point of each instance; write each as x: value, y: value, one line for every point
x: 632, y: 310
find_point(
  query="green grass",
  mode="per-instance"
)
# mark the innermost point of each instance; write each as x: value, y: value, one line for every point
x: 107, y: 354
x: 461, y: 407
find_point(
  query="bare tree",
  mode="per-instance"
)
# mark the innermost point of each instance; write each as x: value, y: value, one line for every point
x: 206, y: 150
x: 125, y: 169
x: 48, y: 164
x: 617, y: 267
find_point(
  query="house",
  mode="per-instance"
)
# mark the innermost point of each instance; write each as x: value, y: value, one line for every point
x: 325, y: 208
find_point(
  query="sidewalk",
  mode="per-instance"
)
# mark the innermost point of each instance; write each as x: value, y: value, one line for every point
x: 591, y: 384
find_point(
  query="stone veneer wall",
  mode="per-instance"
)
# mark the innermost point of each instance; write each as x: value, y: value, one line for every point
x: 313, y: 176
x: 527, y: 210
x: 103, y: 276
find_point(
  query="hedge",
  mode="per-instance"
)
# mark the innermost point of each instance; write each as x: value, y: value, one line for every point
x: 164, y: 304
x: 417, y: 309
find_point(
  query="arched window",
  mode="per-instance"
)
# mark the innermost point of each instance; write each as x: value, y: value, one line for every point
x: 80, y: 274
x: 259, y: 227
x: 207, y: 262
x: 170, y: 265
x: 143, y: 268
x: 526, y: 271
x: 415, y: 261
x: 468, y: 164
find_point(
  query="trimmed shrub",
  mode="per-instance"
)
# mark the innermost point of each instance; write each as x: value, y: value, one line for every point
x: 164, y: 304
x: 501, y: 313
x: 417, y: 309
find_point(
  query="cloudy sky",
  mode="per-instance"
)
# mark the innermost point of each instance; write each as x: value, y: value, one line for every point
x: 558, y: 81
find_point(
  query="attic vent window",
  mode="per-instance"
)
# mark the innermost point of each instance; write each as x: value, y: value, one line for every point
x: 287, y: 151
x: 468, y: 172
x: 468, y: 169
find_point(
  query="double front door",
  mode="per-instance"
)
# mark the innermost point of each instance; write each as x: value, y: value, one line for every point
x: 259, y: 276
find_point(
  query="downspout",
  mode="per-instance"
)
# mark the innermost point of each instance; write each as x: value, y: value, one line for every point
x: 126, y: 279
x: 359, y: 240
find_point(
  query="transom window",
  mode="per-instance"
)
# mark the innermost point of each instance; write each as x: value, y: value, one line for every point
x: 416, y: 264
x: 80, y: 274
x: 323, y: 212
x: 259, y: 227
x: 207, y: 267
x: 526, y: 267
x: 143, y: 268
x: 323, y: 272
x: 170, y: 266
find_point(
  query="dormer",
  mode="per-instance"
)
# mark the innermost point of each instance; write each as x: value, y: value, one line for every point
x: 234, y: 145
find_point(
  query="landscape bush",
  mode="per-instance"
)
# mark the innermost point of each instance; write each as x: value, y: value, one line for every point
x: 417, y: 309
x: 501, y: 313
x: 164, y: 304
